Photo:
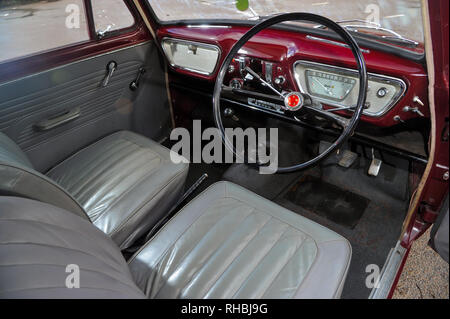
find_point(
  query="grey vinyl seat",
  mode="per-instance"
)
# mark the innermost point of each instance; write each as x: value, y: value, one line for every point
x: 123, y: 184
x: 226, y: 243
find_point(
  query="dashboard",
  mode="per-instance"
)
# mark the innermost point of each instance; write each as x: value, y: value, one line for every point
x: 291, y: 61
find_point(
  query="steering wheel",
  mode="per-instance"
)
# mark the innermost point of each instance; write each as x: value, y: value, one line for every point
x: 298, y: 102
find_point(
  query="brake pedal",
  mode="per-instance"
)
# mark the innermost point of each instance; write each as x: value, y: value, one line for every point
x: 344, y: 158
x: 375, y: 165
x: 347, y: 158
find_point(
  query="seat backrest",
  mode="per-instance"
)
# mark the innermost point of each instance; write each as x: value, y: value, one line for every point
x: 19, y: 178
x: 10, y: 152
x: 47, y: 252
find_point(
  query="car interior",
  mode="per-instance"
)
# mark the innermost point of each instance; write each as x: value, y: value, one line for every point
x: 88, y: 176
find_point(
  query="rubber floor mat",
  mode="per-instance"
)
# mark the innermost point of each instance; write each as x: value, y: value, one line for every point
x: 329, y: 201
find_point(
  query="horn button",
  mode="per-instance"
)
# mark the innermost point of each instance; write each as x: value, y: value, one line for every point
x: 294, y: 101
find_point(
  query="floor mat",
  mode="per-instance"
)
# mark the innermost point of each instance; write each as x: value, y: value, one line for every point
x: 340, y: 206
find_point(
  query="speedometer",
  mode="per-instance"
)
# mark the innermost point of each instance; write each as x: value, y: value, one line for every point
x: 328, y: 85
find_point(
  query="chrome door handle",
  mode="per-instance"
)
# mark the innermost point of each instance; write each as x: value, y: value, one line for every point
x: 111, y: 67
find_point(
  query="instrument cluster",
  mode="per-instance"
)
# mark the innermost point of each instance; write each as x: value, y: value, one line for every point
x: 339, y: 87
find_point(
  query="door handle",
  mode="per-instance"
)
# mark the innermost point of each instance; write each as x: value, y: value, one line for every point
x: 111, y: 67
x: 56, y: 121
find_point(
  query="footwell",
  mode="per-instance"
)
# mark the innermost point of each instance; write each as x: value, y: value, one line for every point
x: 336, y: 204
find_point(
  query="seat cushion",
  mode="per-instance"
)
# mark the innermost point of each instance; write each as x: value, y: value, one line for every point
x: 125, y: 183
x: 232, y: 243
x: 39, y: 241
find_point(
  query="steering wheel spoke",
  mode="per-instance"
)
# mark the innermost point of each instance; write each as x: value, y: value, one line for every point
x: 228, y: 91
x: 339, y: 120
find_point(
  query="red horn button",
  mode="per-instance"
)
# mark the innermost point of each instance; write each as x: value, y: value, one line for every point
x: 293, y: 101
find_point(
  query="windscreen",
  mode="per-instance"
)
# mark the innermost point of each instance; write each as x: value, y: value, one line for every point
x: 381, y: 17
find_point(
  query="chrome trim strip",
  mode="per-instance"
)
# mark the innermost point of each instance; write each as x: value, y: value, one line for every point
x: 199, y: 44
x: 256, y: 108
x: 311, y: 37
x: 353, y: 72
x: 208, y: 26
x: 389, y: 272
x: 253, y: 102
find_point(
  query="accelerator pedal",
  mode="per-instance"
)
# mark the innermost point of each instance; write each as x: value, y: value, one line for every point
x: 375, y: 165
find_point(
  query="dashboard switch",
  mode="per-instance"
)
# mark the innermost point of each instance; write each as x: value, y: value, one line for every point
x: 229, y: 113
x: 236, y: 83
x: 418, y: 101
x: 280, y: 80
x: 416, y: 110
x: 397, y: 118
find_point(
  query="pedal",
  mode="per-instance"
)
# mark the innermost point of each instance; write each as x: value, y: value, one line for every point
x: 344, y: 158
x: 347, y: 158
x: 375, y: 165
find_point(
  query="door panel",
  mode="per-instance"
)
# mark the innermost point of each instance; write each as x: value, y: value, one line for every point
x: 102, y: 110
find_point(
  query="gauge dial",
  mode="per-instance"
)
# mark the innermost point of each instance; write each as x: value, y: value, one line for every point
x: 328, y: 85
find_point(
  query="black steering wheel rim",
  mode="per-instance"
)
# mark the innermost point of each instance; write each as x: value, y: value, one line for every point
x: 298, y: 16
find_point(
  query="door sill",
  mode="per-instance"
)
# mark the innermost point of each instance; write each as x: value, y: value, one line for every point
x: 389, y: 272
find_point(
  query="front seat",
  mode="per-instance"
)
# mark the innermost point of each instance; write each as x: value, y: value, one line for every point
x: 123, y: 183
x: 226, y: 243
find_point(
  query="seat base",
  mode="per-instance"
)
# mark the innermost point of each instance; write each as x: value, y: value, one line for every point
x: 232, y: 243
x: 125, y: 183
